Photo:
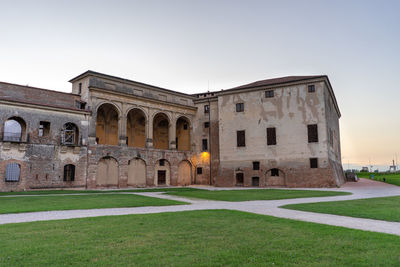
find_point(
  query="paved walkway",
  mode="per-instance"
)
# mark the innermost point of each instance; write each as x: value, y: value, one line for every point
x: 362, y: 189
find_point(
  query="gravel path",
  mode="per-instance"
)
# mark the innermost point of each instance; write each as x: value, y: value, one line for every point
x: 363, y: 189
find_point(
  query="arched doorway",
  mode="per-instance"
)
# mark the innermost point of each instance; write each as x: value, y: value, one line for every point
x: 107, y: 172
x: 275, y: 177
x: 162, y: 173
x: 184, y: 173
x: 160, y: 131
x: 107, y: 125
x: 136, y: 128
x: 137, y: 172
x: 14, y: 130
x: 182, y: 134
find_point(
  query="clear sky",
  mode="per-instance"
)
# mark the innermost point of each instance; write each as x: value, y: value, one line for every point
x: 193, y: 46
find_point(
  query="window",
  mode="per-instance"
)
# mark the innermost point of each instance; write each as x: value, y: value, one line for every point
x: 256, y: 165
x: 162, y: 162
x: 80, y: 104
x: 199, y: 170
x: 79, y: 88
x: 206, y: 109
x: 44, y: 128
x: 239, y: 178
x: 13, y: 171
x: 69, y: 173
x: 207, y: 124
x: 271, y: 136
x: 69, y: 134
x: 313, y: 163
x: 204, y: 145
x: 14, y: 130
x: 311, y: 88
x: 312, y: 133
x: 185, y: 127
x: 269, y: 93
x: 255, y: 181
x: 241, y: 138
x: 239, y: 107
x: 274, y: 172
x: 330, y: 137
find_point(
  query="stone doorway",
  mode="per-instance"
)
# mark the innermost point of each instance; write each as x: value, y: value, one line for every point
x: 161, y: 177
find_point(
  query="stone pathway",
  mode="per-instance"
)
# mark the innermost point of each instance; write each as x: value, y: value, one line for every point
x: 363, y: 189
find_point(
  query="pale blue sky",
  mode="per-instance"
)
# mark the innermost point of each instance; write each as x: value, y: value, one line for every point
x: 188, y: 45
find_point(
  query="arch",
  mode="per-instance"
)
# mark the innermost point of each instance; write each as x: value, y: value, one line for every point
x: 161, y: 125
x: 107, y: 120
x: 184, y: 173
x: 69, y: 173
x: 137, y: 172
x: 107, y: 172
x: 70, y: 134
x: 275, y: 177
x: 183, y: 134
x: 162, y: 171
x: 14, y: 130
x: 136, y: 128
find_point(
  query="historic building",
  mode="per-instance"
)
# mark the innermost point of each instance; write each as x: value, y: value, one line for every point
x: 113, y: 132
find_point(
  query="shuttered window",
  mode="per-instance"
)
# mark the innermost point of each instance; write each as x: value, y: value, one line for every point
x: 241, y: 138
x: 271, y: 136
x: 13, y: 171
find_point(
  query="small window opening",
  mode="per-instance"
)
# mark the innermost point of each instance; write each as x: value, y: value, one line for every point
x: 241, y: 138
x: 312, y: 133
x: 255, y: 181
x: 269, y: 93
x: 206, y: 109
x: 185, y: 127
x: 274, y: 172
x: 311, y: 88
x: 207, y: 124
x: 162, y: 162
x: 313, y: 163
x: 271, y: 136
x: 204, y: 145
x: 44, y: 128
x: 79, y: 88
x: 199, y: 170
x: 239, y: 179
x: 69, y: 173
x: 239, y: 107
x: 256, y: 165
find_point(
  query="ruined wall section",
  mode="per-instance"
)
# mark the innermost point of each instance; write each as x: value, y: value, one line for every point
x: 42, y: 158
x: 290, y: 111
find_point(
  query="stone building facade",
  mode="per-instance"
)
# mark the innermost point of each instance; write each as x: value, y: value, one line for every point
x: 117, y: 133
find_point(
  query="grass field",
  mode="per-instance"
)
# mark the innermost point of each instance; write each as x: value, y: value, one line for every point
x: 383, y: 208
x: 254, y: 194
x: 391, y: 178
x: 56, y: 192
x: 201, y: 238
x: 68, y: 202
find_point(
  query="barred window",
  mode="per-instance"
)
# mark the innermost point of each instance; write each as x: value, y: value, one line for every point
x: 311, y: 88
x: 269, y: 93
x: 239, y: 107
x: 256, y: 165
x: 69, y: 173
x: 241, y: 138
x: 274, y: 172
x: 13, y: 171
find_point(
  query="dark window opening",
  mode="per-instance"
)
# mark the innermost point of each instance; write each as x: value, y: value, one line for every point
x: 79, y: 88
x: 162, y: 162
x: 311, y: 88
x: 204, y: 145
x: 13, y: 171
x: 206, y: 109
x: 239, y: 107
x: 206, y: 124
x: 269, y: 93
x: 70, y: 134
x: 255, y: 181
x: 185, y: 127
x: 161, y: 177
x: 256, y: 165
x: 199, y: 170
x: 44, y: 128
x: 80, y: 104
x: 241, y: 138
x: 274, y: 172
x: 271, y: 136
x: 313, y: 163
x: 239, y: 178
x: 312, y: 133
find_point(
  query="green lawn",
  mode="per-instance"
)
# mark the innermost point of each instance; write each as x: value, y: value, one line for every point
x: 51, y: 192
x: 391, y: 178
x: 383, y: 208
x: 254, y: 194
x: 92, y: 201
x: 200, y: 238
